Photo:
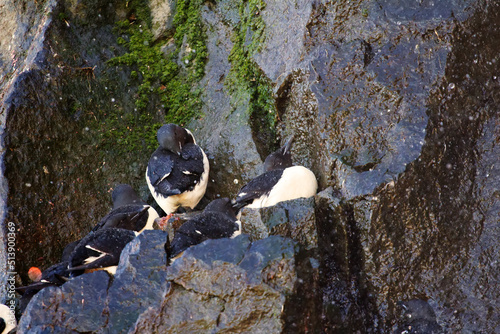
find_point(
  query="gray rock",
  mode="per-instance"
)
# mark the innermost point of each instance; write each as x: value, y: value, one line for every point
x: 294, y: 219
x: 227, y: 285
x: 75, y: 307
x: 139, y: 281
x: 163, y: 13
x: 224, y: 132
x: 169, y: 48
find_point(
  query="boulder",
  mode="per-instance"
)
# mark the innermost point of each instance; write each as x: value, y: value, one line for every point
x: 75, y: 307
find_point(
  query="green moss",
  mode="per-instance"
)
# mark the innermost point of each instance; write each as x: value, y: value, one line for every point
x: 190, y: 30
x: 245, y: 78
x: 160, y: 82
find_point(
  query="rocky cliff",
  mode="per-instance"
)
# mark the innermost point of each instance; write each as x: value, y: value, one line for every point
x: 393, y: 104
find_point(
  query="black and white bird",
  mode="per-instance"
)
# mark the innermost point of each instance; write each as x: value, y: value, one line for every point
x: 100, y: 250
x: 177, y: 172
x: 7, y: 319
x: 281, y: 181
x: 218, y: 220
x: 129, y: 211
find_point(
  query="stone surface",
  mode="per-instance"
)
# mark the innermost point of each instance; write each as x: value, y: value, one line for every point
x: 227, y: 285
x: 139, y: 281
x: 224, y: 131
x: 75, y: 307
x: 294, y: 219
x: 222, y: 285
x: 162, y: 17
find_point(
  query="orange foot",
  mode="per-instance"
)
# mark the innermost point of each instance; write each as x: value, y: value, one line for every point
x: 163, y: 221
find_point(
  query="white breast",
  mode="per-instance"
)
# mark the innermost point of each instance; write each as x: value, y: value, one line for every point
x: 187, y: 199
x: 295, y: 182
x: 152, y: 215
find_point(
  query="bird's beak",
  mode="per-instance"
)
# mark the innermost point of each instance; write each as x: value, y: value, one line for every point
x: 288, y: 144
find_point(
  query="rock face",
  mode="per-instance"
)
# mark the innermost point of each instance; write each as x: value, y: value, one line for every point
x: 95, y: 303
x: 394, y: 106
x: 224, y: 285
x: 294, y: 219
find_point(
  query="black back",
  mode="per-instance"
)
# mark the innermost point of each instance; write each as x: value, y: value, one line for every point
x: 183, y: 171
x: 257, y: 187
x: 108, y: 240
x: 218, y: 220
x: 130, y: 217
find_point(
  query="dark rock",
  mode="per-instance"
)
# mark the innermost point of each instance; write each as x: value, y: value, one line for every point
x: 75, y: 307
x: 139, y: 281
x: 417, y: 317
x: 227, y: 285
x: 59, y: 78
x: 294, y: 219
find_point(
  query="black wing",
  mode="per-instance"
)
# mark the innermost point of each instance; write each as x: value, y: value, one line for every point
x: 105, y: 245
x: 130, y: 217
x: 160, y: 165
x: 207, y: 225
x: 184, y: 174
x: 259, y: 186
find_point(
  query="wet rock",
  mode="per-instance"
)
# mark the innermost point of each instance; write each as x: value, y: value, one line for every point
x: 341, y: 265
x: 224, y: 132
x: 139, y: 281
x: 21, y: 42
x: 75, y: 307
x: 294, y: 219
x: 162, y: 12
x: 227, y: 285
x: 417, y: 317
x: 59, y: 79
x: 425, y: 235
x: 286, y: 31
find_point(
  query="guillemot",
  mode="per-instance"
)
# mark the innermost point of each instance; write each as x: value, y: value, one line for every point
x: 177, y: 172
x: 100, y: 250
x: 218, y: 220
x: 129, y: 211
x: 281, y: 181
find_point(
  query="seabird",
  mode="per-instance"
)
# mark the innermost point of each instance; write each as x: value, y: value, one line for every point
x: 177, y: 172
x: 218, y: 220
x: 281, y: 181
x: 129, y: 211
x: 100, y: 250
